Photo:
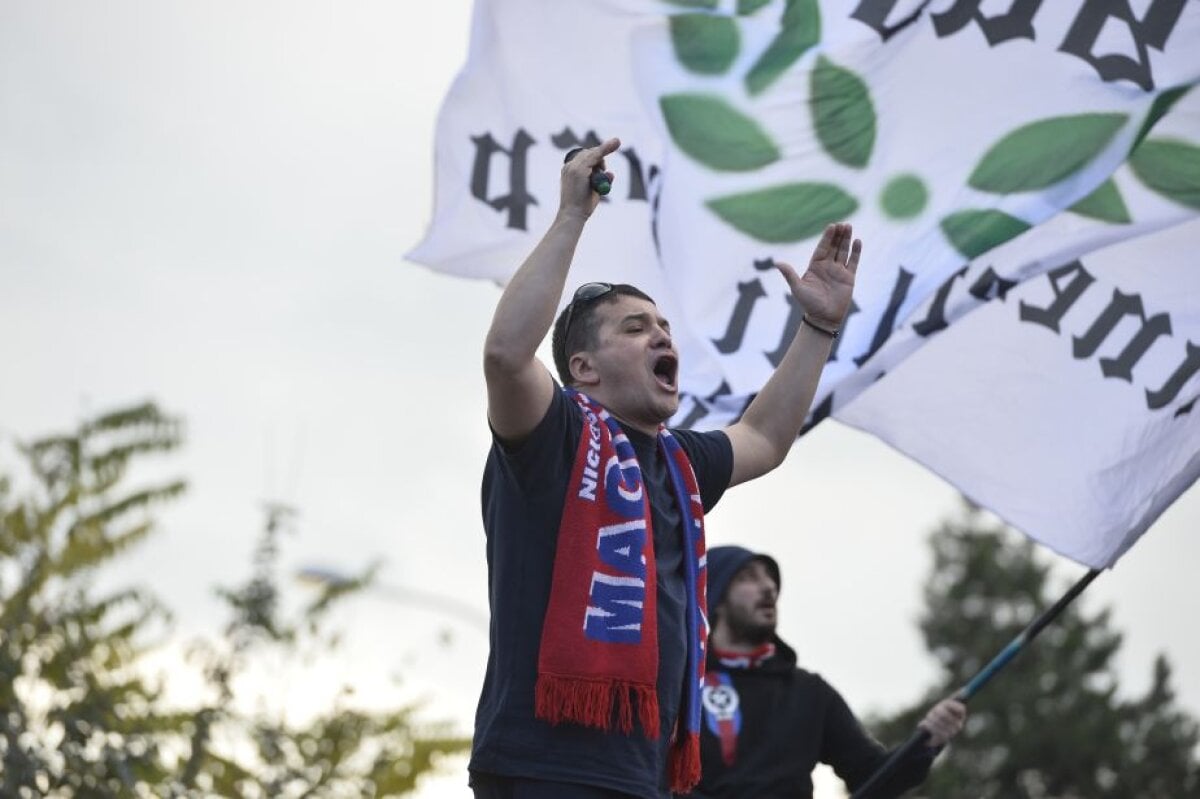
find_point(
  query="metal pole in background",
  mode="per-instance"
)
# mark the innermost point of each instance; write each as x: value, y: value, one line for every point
x: 429, y: 600
x: 977, y: 682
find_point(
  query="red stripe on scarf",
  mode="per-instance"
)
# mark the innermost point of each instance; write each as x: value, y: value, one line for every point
x: 683, y: 763
x: 598, y: 659
x: 592, y: 668
x: 745, y: 660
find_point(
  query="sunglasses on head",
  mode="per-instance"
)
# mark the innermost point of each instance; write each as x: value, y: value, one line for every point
x: 588, y: 292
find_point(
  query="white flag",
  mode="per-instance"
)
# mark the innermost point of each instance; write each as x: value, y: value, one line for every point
x: 942, y: 130
x: 1064, y: 400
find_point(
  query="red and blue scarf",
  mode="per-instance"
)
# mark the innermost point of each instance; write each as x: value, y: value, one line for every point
x: 722, y: 708
x: 598, y: 662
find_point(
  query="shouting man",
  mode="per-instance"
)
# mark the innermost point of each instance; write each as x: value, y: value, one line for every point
x: 594, y: 510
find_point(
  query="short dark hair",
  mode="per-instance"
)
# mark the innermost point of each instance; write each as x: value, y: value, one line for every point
x: 584, y: 327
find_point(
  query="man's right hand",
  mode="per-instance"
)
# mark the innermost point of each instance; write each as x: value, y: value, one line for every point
x: 518, y: 385
x: 577, y: 196
x: 944, y: 720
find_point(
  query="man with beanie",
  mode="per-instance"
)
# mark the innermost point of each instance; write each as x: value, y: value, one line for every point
x: 767, y: 723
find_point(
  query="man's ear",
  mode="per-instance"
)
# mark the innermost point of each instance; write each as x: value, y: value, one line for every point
x: 583, y: 373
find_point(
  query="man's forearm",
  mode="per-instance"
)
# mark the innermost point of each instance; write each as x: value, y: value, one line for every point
x: 779, y: 409
x: 526, y: 308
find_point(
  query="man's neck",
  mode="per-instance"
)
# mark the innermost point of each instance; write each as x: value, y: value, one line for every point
x: 650, y: 430
x: 724, y: 640
x: 627, y: 422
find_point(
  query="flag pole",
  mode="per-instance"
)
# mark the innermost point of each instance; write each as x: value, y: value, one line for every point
x: 978, y: 681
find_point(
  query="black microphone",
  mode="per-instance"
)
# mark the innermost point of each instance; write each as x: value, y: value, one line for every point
x: 600, y: 182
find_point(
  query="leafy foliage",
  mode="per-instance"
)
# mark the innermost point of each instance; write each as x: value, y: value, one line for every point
x: 79, y: 717
x: 1051, y: 725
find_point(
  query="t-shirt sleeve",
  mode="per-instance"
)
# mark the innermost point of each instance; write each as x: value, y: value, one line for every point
x: 711, y: 455
x: 551, y: 444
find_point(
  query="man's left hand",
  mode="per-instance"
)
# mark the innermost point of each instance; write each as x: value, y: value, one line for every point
x: 825, y: 288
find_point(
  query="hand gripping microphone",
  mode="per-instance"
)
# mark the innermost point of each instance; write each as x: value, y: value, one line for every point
x: 599, y: 180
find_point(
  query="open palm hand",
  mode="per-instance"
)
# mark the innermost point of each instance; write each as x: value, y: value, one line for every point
x: 825, y: 289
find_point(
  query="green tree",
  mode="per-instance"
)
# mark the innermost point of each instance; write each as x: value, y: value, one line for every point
x: 343, y: 751
x: 1050, y: 725
x: 76, y: 717
x: 79, y: 715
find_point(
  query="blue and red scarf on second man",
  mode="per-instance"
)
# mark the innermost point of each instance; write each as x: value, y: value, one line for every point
x: 722, y: 706
x: 598, y: 661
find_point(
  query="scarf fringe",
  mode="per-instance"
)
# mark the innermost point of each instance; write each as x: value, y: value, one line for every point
x: 683, y: 763
x: 593, y: 703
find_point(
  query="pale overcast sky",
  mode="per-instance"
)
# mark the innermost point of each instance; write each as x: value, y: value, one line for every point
x: 208, y: 204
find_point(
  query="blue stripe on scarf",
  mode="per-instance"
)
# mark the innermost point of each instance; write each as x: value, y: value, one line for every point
x: 697, y: 622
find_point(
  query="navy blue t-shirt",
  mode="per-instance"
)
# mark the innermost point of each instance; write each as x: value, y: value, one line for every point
x: 523, y: 494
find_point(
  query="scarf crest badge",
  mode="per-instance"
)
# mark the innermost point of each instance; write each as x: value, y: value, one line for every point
x: 722, y: 705
x: 722, y: 712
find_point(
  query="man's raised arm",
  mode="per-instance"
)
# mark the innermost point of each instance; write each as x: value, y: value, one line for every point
x: 768, y: 428
x: 519, y: 387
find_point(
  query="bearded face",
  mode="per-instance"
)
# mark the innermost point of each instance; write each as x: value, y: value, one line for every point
x: 748, y: 610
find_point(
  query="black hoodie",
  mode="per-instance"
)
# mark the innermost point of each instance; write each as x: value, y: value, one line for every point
x: 779, y: 721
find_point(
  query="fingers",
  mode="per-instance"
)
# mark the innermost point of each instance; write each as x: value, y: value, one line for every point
x: 843, y: 250
x: 939, y: 733
x: 594, y: 156
x: 944, y: 720
x: 950, y: 711
x: 581, y: 170
x: 789, y: 274
x: 838, y: 244
x: 828, y: 242
x: 855, y: 252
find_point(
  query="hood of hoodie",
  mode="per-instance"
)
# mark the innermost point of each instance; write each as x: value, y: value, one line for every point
x: 723, y: 562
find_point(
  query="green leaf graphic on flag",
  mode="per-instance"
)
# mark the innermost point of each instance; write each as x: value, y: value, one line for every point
x: 976, y: 231
x: 904, y: 197
x: 1162, y: 104
x: 747, y: 7
x: 704, y: 43
x: 694, y: 3
x: 843, y: 115
x: 1042, y: 153
x: 1105, y: 204
x: 716, y: 134
x: 801, y: 29
x: 1170, y: 167
x: 787, y: 213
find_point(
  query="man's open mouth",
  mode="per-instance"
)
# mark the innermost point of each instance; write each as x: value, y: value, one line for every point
x: 666, y: 368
